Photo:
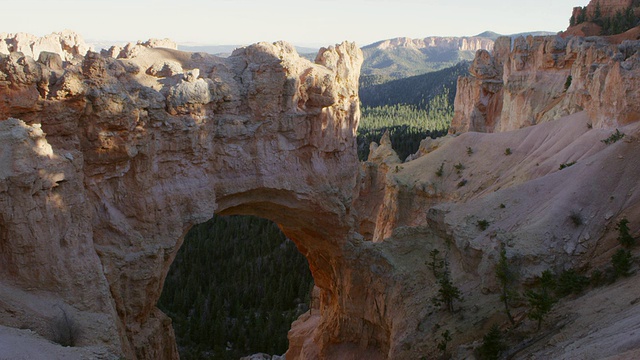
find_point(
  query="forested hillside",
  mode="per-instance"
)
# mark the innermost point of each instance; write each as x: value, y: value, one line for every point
x: 381, y: 66
x: 410, y: 109
x: 407, y: 125
x: 416, y: 90
x: 234, y: 289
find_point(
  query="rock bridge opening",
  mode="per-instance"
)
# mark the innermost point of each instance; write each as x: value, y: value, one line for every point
x: 263, y: 132
x: 234, y: 289
x: 145, y: 143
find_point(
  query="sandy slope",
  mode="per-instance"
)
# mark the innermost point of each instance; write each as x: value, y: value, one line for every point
x: 16, y: 344
x: 602, y: 324
x: 527, y: 200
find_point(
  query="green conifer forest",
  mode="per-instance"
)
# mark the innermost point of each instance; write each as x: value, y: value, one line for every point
x: 411, y: 109
x: 234, y: 289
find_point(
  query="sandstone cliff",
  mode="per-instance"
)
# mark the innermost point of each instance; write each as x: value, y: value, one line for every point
x: 605, y: 17
x: 113, y: 160
x: 577, y: 92
x: 539, y: 79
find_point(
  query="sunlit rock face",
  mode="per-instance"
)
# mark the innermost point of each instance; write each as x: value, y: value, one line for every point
x: 533, y: 80
x: 112, y: 160
x: 67, y: 44
x: 472, y: 43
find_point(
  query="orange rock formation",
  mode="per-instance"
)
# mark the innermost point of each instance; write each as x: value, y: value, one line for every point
x: 539, y: 79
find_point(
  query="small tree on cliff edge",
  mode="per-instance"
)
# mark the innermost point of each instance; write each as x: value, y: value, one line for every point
x: 582, y: 16
x: 541, y: 301
x: 622, y: 260
x: 447, y: 293
x: 492, y: 344
x: 567, y: 83
x: 442, y: 344
x: 436, y: 264
x: 597, y: 14
x: 624, y: 235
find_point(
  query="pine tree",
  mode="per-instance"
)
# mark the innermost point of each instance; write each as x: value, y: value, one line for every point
x: 597, y: 14
x: 447, y: 292
x: 444, y: 342
x: 541, y: 302
x: 621, y: 262
x: 582, y: 15
x: 492, y: 345
x: 624, y: 235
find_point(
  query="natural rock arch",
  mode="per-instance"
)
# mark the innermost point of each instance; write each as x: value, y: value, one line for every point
x: 117, y: 158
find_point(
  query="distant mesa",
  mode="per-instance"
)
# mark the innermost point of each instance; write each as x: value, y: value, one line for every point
x: 458, y: 43
x: 226, y: 50
x: 403, y: 57
x: 494, y: 36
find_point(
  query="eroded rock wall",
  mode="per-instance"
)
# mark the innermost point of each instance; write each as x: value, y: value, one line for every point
x: 527, y: 82
x: 113, y: 160
x: 516, y: 182
x: 526, y: 199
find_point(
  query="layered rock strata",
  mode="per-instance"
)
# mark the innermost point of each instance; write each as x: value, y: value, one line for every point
x: 538, y: 79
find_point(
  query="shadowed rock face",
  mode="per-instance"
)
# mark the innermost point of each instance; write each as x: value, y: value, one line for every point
x: 113, y: 160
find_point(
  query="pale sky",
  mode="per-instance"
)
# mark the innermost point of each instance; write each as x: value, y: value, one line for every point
x: 312, y: 22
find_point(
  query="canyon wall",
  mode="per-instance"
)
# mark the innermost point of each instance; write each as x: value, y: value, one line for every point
x: 530, y: 109
x: 538, y: 79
